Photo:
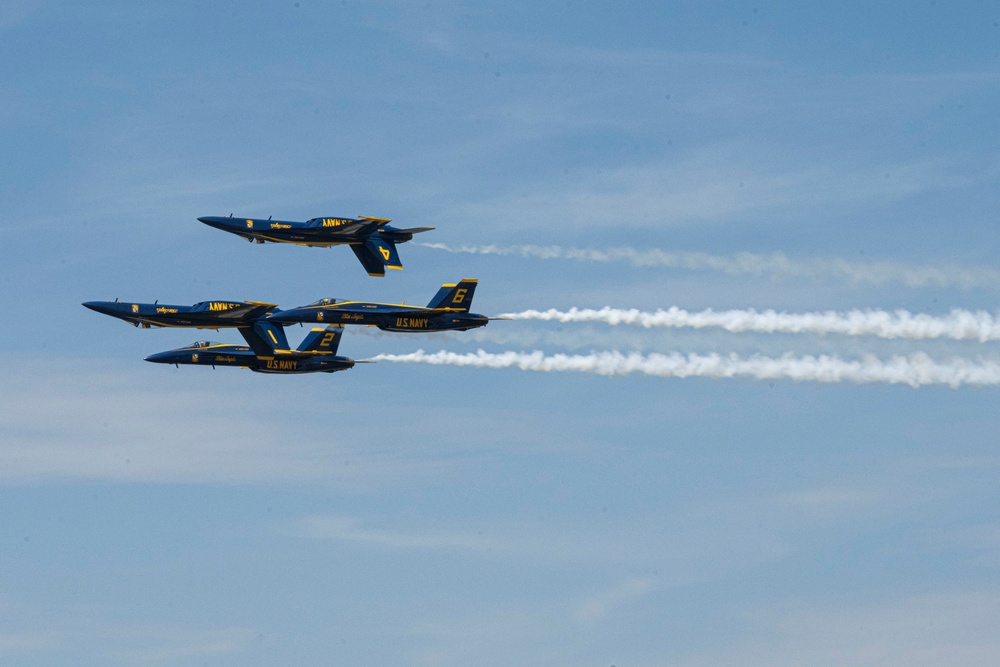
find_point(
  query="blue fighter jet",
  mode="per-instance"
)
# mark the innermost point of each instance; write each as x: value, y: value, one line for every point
x: 448, y: 310
x: 266, y: 352
x: 203, y: 315
x: 373, y: 240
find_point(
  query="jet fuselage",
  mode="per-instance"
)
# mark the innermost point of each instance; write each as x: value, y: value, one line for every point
x: 388, y: 317
x: 203, y: 315
x: 218, y: 354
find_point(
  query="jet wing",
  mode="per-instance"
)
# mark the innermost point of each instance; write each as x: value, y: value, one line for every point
x: 360, y: 227
x: 371, y: 260
x: 264, y: 338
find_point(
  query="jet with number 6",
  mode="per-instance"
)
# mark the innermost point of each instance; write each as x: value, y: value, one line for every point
x: 448, y: 310
x: 373, y: 240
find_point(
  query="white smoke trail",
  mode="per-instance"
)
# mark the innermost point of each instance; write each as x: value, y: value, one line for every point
x: 744, y: 264
x: 914, y: 370
x: 957, y: 325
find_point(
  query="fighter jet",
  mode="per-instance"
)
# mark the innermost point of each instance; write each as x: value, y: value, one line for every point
x: 203, y: 315
x: 449, y: 309
x: 266, y: 352
x: 373, y: 240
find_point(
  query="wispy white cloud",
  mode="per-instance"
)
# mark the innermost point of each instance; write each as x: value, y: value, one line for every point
x: 347, y: 529
x: 87, y: 421
x: 720, y: 184
x: 950, y: 628
x: 774, y: 265
x: 15, y: 12
x: 26, y: 642
x: 162, y: 646
x: 600, y: 605
x: 684, y: 560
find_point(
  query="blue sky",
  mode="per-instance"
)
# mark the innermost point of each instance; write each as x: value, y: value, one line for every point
x: 775, y: 155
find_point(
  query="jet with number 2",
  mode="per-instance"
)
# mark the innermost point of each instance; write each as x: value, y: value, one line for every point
x: 448, y: 310
x: 266, y: 351
x: 373, y: 240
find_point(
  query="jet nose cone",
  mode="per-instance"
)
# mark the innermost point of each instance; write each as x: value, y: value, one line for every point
x: 214, y: 221
x: 290, y: 316
x: 161, y: 358
x: 102, y: 307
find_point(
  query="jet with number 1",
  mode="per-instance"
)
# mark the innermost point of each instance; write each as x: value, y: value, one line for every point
x: 203, y: 315
x: 373, y: 240
x: 447, y: 311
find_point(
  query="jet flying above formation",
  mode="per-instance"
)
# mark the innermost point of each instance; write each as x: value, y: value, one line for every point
x: 266, y: 352
x: 448, y: 310
x: 373, y: 240
x: 202, y: 315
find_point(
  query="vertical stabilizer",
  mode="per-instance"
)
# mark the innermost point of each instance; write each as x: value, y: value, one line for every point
x: 455, y: 296
x: 323, y: 340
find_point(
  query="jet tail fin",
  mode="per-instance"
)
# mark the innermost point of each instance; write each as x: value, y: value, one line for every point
x: 264, y: 338
x: 457, y: 296
x: 323, y: 340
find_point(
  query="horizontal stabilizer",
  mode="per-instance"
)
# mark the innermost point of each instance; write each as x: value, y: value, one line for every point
x: 415, y: 230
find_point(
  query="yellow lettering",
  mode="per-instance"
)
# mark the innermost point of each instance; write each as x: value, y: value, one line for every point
x: 385, y: 252
x: 459, y: 296
x: 327, y: 339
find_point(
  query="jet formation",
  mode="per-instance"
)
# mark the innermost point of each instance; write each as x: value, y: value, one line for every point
x: 373, y: 240
x: 262, y: 326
